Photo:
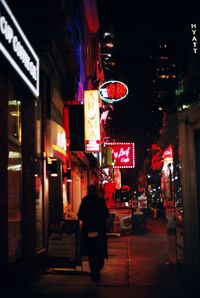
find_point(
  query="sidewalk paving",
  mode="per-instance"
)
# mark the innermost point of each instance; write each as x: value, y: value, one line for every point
x: 138, y: 266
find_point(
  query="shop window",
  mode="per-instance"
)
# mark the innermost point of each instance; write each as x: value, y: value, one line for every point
x: 14, y: 120
x: 14, y: 179
x: 39, y: 191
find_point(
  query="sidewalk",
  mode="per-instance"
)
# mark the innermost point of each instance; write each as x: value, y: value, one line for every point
x: 138, y: 267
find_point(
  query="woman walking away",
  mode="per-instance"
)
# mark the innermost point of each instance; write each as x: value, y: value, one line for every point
x: 92, y: 215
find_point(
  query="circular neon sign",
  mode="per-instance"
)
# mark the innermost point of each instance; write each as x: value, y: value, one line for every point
x: 113, y: 91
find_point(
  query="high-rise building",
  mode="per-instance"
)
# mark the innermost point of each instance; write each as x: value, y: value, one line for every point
x: 163, y: 75
x: 163, y: 82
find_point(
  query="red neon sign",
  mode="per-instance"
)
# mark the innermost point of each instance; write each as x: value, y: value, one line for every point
x: 113, y: 91
x: 116, y: 90
x: 123, y: 154
x: 156, y: 160
x: 168, y: 153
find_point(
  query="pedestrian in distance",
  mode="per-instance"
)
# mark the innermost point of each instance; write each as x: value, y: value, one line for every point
x: 92, y: 215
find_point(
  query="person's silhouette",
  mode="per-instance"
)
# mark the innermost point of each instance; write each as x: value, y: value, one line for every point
x: 92, y: 215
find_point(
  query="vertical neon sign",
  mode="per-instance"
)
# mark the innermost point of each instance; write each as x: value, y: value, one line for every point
x: 92, y: 121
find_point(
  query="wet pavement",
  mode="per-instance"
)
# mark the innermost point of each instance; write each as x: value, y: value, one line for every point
x: 138, y: 266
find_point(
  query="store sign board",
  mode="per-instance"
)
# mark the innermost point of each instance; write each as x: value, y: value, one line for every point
x: 123, y: 154
x: 156, y: 157
x: 92, y: 121
x: 113, y: 91
x: 194, y: 38
x: 17, y: 50
x: 168, y: 153
x: 56, y: 141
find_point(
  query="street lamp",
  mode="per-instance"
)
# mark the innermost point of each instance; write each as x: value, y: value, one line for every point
x: 108, y: 55
x: 107, y: 45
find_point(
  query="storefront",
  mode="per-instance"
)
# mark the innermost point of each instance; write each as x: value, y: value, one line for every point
x: 81, y: 178
x: 56, y: 156
x: 22, y: 211
x: 189, y: 140
x: 180, y: 187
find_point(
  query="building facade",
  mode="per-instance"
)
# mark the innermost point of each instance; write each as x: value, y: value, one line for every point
x: 44, y: 70
x: 178, y: 143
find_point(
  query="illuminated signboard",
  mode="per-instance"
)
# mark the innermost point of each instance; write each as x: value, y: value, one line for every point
x: 56, y: 146
x: 113, y: 91
x: 168, y: 153
x: 194, y: 37
x: 17, y: 49
x: 92, y: 121
x: 156, y: 157
x: 167, y: 173
x: 123, y: 154
x: 167, y: 158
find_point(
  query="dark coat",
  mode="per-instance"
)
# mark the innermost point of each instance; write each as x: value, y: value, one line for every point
x: 93, y: 213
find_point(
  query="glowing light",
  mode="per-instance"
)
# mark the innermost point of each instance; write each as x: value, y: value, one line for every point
x: 54, y: 175
x: 194, y: 37
x: 56, y: 146
x: 25, y: 61
x: 113, y: 91
x: 92, y: 121
x: 109, y: 45
x: 123, y: 154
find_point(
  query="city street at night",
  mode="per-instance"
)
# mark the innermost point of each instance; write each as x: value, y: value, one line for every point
x: 99, y: 149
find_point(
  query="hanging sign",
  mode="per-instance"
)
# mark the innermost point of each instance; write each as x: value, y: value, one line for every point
x: 92, y: 121
x: 56, y: 146
x: 123, y: 154
x: 113, y: 91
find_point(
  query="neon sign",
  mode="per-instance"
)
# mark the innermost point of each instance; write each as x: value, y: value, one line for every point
x: 113, y: 91
x: 17, y: 49
x: 123, y: 154
x: 91, y: 121
x: 156, y: 159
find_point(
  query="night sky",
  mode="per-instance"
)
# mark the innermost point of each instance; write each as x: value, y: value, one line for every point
x: 138, y: 28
